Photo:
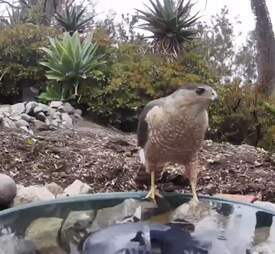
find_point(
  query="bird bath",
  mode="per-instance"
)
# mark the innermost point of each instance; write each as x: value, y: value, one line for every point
x: 85, y: 224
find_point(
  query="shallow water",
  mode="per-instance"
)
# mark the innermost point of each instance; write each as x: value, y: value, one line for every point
x: 214, y: 227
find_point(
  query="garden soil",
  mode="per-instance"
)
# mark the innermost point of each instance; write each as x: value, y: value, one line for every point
x: 108, y: 161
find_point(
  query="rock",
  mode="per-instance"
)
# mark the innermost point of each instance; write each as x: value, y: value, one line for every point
x: 10, y: 244
x: 40, y: 116
x: 185, y: 212
x: 21, y: 123
x: 15, y: 117
x: 56, y: 104
x: 31, y: 194
x: 67, y: 121
x: 68, y: 108
x: 56, y: 115
x: 75, y: 227
x: 18, y: 108
x: 40, y: 108
x: 30, y: 107
x: 26, y: 129
x: 8, y: 123
x: 54, y: 188
x: 77, y: 117
x: 43, y: 232
x: 77, y: 188
x: 117, y: 214
x: 27, y: 118
x: 54, y: 250
x: 55, y: 122
x: 40, y: 126
x: 78, y: 112
x: 7, y: 190
x: 5, y: 109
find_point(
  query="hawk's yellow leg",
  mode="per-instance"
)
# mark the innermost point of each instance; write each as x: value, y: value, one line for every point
x: 153, y: 190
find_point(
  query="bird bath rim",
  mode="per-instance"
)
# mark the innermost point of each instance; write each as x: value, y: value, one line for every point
x: 108, y: 196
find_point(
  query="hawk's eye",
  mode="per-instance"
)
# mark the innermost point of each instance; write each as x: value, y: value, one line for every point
x: 200, y: 90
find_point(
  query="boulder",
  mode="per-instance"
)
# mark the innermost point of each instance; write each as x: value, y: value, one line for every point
x: 8, y: 123
x: 30, y: 107
x: 68, y: 108
x: 26, y: 129
x: 40, y: 126
x: 31, y: 194
x: 56, y: 104
x: 40, y: 108
x: 78, y: 114
x: 5, y: 109
x: 77, y: 188
x: 7, y: 190
x: 43, y: 232
x: 21, y: 123
x: 55, y: 122
x: 15, y: 117
x: 67, y: 121
x: 56, y: 115
x: 54, y: 188
x: 75, y: 227
x: 27, y: 118
x: 18, y: 108
x: 41, y: 116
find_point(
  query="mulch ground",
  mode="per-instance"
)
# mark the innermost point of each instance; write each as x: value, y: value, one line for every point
x: 108, y: 161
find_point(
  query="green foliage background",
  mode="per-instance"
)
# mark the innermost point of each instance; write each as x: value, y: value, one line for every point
x: 19, y: 57
x: 134, y: 78
x: 116, y: 93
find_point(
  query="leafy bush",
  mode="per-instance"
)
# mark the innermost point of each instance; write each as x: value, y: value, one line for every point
x: 242, y: 116
x: 19, y: 56
x: 135, y: 78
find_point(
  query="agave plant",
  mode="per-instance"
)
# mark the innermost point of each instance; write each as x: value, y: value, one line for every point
x: 69, y: 61
x: 72, y: 19
x: 170, y: 23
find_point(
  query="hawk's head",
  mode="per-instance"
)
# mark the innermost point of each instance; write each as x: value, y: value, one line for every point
x: 192, y: 95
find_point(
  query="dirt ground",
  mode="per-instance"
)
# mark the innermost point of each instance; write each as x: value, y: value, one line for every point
x: 108, y: 161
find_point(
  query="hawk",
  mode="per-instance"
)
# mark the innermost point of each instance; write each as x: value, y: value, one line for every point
x: 172, y: 129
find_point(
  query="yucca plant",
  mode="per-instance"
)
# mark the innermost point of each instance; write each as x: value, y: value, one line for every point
x: 72, y: 18
x: 69, y: 61
x: 170, y: 23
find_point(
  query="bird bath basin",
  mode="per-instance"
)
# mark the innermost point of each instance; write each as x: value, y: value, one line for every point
x: 89, y: 223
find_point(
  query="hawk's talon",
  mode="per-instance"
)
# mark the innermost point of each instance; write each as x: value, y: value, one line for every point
x: 152, y: 194
x: 153, y: 191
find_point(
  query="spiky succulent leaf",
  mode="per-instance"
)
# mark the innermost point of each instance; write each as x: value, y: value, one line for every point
x: 170, y: 23
x: 72, y: 19
x: 70, y: 60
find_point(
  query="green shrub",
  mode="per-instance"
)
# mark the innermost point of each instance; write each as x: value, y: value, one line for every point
x: 242, y: 117
x: 19, y: 56
x: 134, y: 78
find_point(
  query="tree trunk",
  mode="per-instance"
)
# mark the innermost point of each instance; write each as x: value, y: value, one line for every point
x: 265, y: 47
